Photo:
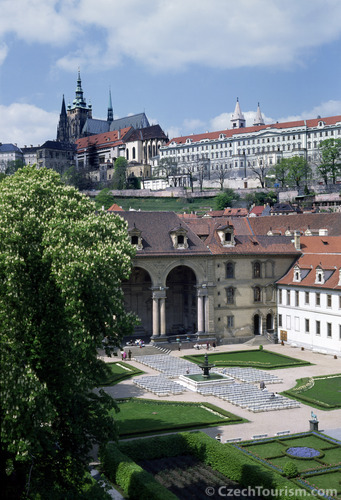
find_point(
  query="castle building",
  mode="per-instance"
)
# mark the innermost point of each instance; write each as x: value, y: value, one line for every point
x: 240, y: 150
x: 76, y: 120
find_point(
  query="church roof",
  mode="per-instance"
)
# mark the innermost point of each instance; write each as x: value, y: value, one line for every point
x: 8, y: 148
x: 95, y: 126
x: 152, y: 132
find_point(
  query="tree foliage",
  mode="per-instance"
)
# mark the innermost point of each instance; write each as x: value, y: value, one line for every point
x: 330, y: 165
x: 225, y: 199
x: 104, y: 199
x: 281, y: 171
x: 120, y: 173
x: 299, y: 171
x: 61, y: 267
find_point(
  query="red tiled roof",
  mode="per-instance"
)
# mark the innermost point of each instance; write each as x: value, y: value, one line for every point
x: 331, y: 120
x: 318, y: 252
x: 257, y: 210
x: 103, y: 140
x: 115, y: 208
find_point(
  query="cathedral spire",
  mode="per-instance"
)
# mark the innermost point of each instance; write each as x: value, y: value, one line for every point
x: 63, y: 126
x: 110, y: 117
x: 79, y: 101
x: 237, y: 120
x: 258, y: 118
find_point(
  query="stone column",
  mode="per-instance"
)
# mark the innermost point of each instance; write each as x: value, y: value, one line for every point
x: 155, y: 316
x: 200, y: 314
x: 159, y: 311
x: 163, y: 316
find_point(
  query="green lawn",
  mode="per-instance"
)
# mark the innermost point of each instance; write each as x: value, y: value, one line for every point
x: 167, y: 204
x: 117, y: 372
x: 320, y: 392
x: 274, y: 451
x: 145, y: 416
x: 252, y: 358
x: 330, y: 481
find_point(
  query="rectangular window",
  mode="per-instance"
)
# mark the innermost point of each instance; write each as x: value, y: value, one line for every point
x: 307, y: 325
x: 288, y: 297
x: 339, y: 332
x: 230, y: 321
x: 339, y: 301
x: 318, y: 299
x: 318, y: 328
x: 329, y: 300
x: 306, y: 297
x: 329, y: 330
x: 297, y: 298
x: 297, y: 324
x: 288, y: 322
x: 280, y: 320
x: 280, y: 296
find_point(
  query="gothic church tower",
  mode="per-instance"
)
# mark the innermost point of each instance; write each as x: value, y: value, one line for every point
x: 71, y: 123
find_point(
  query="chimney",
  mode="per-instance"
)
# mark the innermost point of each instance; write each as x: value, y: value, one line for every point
x: 297, y: 240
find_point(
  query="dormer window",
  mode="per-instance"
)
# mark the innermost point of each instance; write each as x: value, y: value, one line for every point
x: 136, y: 238
x: 226, y: 235
x: 339, y: 284
x: 319, y: 276
x: 297, y: 273
x: 179, y: 238
x: 321, y: 123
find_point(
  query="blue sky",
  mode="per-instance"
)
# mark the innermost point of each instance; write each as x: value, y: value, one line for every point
x: 182, y: 62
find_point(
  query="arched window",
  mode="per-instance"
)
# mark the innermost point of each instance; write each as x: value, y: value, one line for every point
x: 256, y: 270
x: 127, y: 154
x: 256, y: 294
x: 134, y: 153
x: 229, y: 270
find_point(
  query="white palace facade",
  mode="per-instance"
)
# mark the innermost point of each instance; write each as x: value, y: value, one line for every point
x: 238, y: 149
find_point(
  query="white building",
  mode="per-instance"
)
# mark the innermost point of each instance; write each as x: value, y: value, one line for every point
x: 309, y: 296
x: 239, y: 149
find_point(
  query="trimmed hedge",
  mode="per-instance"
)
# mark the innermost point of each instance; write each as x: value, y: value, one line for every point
x: 134, y: 481
x: 225, y: 459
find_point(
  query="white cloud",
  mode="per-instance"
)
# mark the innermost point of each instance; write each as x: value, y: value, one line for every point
x: 25, y: 124
x: 176, y: 34
x: 328, y: 108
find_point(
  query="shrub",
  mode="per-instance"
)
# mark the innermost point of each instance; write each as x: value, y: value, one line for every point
x: 134, y: 481
x: 290, y: 469
x: 261, y: 347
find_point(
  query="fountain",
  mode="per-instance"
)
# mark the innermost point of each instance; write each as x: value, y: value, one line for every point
x: 195, y: 382
x: 206, y: 367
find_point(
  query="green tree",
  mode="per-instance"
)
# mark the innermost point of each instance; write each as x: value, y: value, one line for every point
x: 61, y: 267
x: 104, y: 199
x: 299, y: 171
x: 330, y: 165
x: 281, y: 171
x: 120, y: 173
x: 13, y: 165
x: 225, y: 199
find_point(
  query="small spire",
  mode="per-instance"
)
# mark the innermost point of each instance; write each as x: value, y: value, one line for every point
x: 258, y: 118
x: 110, y: 116
x: 238, y: 120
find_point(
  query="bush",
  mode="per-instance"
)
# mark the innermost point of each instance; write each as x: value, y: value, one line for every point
x: 290, y: 469
x: 261, y: 347
x: 134, y: 481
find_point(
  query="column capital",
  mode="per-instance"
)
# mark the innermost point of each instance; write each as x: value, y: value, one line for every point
x: 159, y: 292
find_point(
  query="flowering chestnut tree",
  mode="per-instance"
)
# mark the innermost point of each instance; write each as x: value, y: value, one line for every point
x: 61, y: 266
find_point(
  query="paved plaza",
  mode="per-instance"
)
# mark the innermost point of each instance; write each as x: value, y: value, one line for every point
x: 261, y: 421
